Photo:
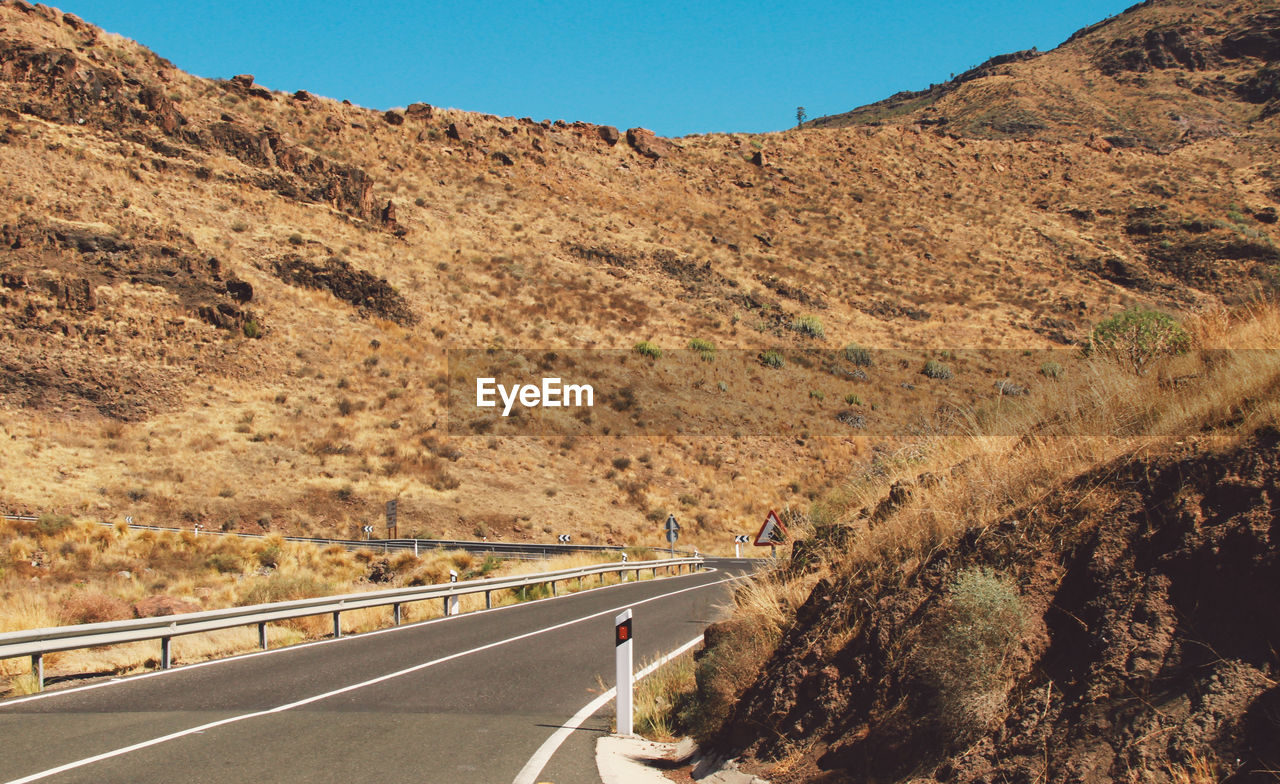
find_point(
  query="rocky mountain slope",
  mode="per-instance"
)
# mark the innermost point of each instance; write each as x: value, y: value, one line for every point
x: 228, y: 305
x: 1159, y: 76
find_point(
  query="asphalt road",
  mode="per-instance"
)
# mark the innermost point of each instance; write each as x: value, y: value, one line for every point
x: 464, y: 699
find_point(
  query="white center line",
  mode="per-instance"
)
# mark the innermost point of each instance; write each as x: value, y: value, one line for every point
x: 353, y: 687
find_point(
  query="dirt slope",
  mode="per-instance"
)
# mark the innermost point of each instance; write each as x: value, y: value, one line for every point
x: 1119, y: 630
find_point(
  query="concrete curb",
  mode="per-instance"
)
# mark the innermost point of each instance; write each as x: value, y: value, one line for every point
x: 634, y: 760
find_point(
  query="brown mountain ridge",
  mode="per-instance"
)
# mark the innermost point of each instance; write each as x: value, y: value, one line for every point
x: 229, y: 305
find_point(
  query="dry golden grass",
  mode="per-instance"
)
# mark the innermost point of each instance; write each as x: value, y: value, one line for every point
x: 659, y: 699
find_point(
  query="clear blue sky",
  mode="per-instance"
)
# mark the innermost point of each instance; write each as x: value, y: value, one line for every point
x: 675, y: 67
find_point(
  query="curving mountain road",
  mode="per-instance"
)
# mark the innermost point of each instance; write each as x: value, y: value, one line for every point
x: 469, y: 698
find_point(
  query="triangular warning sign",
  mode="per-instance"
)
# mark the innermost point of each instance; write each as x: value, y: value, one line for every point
x: 772, y: 532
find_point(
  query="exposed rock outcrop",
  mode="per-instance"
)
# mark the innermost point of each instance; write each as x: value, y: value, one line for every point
x: 648, y: 144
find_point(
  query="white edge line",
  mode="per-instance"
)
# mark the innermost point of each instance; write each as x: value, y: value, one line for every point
x: 529, y: 773
x: 328, y: 641
x: 316, y: 698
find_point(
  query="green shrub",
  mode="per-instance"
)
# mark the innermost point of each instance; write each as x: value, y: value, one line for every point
x: 705, y: 348
x: 646, y: 349
x: 1051, y: 370
x: 852, y: 399
x: 269, y: 556
x: 858, y: 355
x: 1137, y: 336
x: 817, y: 394
x: 251, y: 329
x: 967, y: 649
x: 225, y: 563
x: 935, y: 369
x: 809, y: 326
x: 52, y: 525
x: 771, y: 359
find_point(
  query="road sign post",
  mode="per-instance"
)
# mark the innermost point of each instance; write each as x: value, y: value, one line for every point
x: 622, y: 638
x: 392, y: 506
x: 673, y: 533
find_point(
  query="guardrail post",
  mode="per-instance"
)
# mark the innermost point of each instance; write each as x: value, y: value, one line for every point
x: 166, y: 652
x: 37, y: 669
x: 488, y: 600
x: 337, y: 625
x: 262, y: 635
x: 553, y: 588
x: 395, y: 614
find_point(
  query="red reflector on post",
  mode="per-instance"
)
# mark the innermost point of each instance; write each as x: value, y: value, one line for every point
x: 622, y: 632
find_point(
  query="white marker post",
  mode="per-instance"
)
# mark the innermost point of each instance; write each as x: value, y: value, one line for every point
x: 622, y: 647
x: 451, y: 604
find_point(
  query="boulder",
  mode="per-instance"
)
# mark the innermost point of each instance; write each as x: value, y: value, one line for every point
x: 759, y: 159
x: 302, y: 95
x: 648, y: 144
x: 393, y: 117
x: 240, y: 290
x: 1098, y: 143
x: 609, y: 134
x: 242, y: 81
x: 419, y: 111
x: 504, y: 159
x: 458, y: 131
x: 160, y: 606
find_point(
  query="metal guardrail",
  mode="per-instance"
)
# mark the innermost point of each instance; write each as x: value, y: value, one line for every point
x: 512, y: 550
x: 21, y: 518
x: 37, y: 642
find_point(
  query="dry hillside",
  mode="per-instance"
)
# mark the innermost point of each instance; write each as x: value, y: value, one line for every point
x: 1035, y: 608
x: 228, y: 305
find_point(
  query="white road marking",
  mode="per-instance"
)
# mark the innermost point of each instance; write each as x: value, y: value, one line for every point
x: 529, y: 773
x: 330, y: 641
x: 309, y: 700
